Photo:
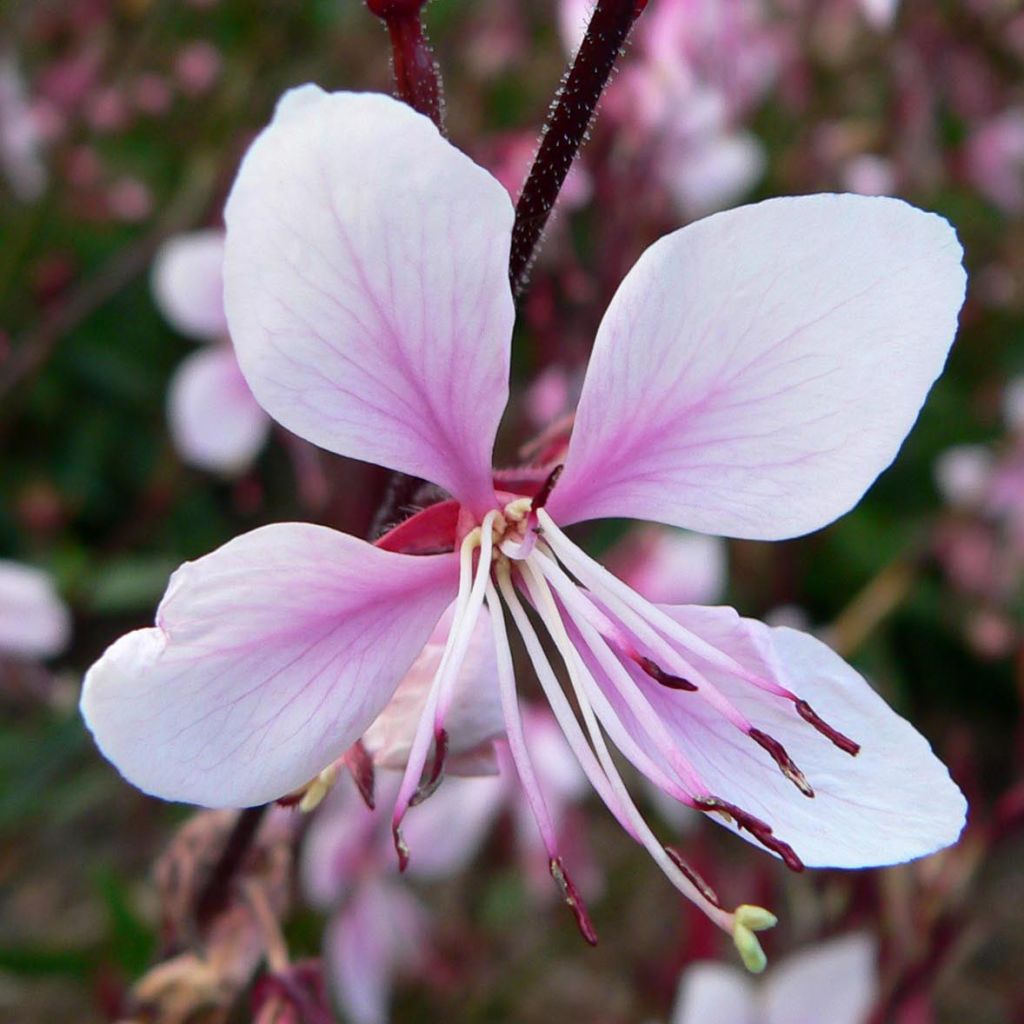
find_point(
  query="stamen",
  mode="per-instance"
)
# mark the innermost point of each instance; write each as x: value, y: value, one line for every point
x: 360, y: 766
x: 706, y: 891
x: 429, y: 786
x: 468, y: 604
x: 809, y: 715
x: 659, y: 675
x: 548, y: 611
x: 524, y: 767
x: 759, y: 829
x: 541, y: 497
x: 572, y: 897
x: 559, y: 705
x: 786, y: 764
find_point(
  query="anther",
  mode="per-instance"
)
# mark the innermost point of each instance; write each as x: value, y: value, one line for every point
x: 659, y: 675
x: 401, y: 847
x: 541, y: 497
x: 572, y: 897
x: 360, y: 766
x: 786, y: 764
x: 759, y: 829
x: 705, y: 890
x: 429, y: 786
x: 809, y: 715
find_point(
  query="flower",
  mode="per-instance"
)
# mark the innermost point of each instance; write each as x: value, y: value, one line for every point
x: 34, y: 621
x: 752, y: 376
x: 839, y: 973
x: 21, y: 139
x: 379, y: 928
x: 215, y: 422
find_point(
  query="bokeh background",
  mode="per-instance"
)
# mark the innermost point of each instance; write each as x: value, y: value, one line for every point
x: 121, y: 127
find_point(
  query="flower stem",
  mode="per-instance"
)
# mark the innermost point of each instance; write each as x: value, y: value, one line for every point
x: 566, y: 128
x: 214, y: 896
x: 417, y: 76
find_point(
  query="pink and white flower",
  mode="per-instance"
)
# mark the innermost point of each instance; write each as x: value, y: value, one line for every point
x: 752, y: 376
x: 34, y: 621
x: 835, y: 980
x: 215, y: 422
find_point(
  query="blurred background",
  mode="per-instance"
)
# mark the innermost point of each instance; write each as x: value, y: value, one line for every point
x: 128, y: 443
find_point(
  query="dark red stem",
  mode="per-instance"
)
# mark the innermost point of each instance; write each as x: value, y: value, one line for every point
x: 417, y: 77
x: 566, y: 128
x: 215, y: 894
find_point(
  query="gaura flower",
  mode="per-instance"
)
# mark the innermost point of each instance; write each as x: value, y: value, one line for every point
x: 839, y: 974
x: 752, y: 376
x: 215, y: 422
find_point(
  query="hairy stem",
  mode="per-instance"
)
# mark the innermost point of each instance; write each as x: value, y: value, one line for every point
x: 417, y: 76
x: 566, y: 127
x: 214, y: 895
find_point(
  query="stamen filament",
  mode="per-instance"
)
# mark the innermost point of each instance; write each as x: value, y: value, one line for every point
x: 548, y: 611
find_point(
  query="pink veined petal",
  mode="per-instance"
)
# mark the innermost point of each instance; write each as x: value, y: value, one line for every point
x: 188, y: 283
x: 713, y: 993
x: 269, y: 658
x: 34, y: 621
x: 475, y: 716
x: 839, y: 974
x: 215, y: 422
x: 378, y: 935
x: 758, y: 369
x: 367, y: 288
x: 891, y: 803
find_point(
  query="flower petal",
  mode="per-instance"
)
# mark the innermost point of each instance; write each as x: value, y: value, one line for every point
x: 758, y: 369
x: 714, y: 992
x: 839, y: 974
x: 269, y: 658
x: 188, y: 284
x: 215, y: 422
x: 892, y: 802
x: 34, y: 621
x: 380, y: 934
x: 367, y: 288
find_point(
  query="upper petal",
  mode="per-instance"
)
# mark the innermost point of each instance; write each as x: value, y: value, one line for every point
x: 890, y: 803
x: 367, y: 287
x: 215, y: 422
x: 839, y: 974
x: 758, y: 369
x: 269, y: 658
x: 188, y: 283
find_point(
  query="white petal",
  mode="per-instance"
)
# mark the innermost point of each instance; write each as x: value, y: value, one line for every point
x: 188, y: 283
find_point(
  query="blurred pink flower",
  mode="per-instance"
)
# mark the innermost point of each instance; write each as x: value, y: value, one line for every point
x: 740, y: 383
x: 197, y: 67
x: 20, y: 139
x: 671, y: 566
x: 215, y: 422
x: 995, y: 160
x: 870, y: 175
x: 880, y: 13
x: 34, y: 621
x: 129, y: 199
x: 379, y: 929
x: 836, y: 980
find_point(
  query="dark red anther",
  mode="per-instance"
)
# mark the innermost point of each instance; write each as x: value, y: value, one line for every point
x: 572, y: 897
x: 705, y: 890
x: 541, y: 497
x: 429, y: 787
x: 659, y: 675
x: 360, y: 767
x: 759, y: 829
x: 786, y: 764
x: 809, y: 715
